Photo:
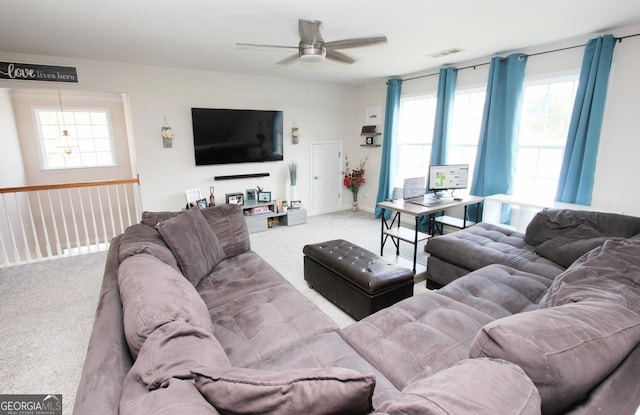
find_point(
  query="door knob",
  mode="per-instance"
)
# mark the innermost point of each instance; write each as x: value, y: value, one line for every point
x: 316, y: 177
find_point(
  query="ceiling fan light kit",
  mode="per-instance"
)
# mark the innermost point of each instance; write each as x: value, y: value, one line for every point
x: 310, y: 53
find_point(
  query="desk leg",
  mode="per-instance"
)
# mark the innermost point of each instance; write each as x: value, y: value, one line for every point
x: 386, y: 226
x: 464, y: 217
x: 397, y: 243
x: 415, y: 244
x: 383, y: 223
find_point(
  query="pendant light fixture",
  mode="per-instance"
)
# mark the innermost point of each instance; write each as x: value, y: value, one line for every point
x: 65, y: 139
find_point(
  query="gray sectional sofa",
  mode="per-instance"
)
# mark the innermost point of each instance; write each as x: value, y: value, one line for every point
x: 554, y: 239
x: 191, y: 320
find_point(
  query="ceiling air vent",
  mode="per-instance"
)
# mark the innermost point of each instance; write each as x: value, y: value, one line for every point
x: 445, y: 52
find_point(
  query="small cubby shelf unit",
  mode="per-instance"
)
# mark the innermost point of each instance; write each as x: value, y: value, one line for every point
x: 260, y: 222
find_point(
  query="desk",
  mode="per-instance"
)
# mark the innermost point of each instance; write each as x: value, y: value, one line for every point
x: 397, y: 233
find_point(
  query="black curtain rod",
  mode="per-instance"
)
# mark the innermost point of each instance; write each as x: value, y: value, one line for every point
x: 618, y: 39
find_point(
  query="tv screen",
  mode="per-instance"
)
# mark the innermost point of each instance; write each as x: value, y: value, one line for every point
x: 448, y: 177
x: 222, y: 136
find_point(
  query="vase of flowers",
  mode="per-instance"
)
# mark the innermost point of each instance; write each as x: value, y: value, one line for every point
x: 353, y: 179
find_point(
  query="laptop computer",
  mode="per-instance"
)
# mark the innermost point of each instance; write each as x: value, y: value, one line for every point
x: 413, y: 192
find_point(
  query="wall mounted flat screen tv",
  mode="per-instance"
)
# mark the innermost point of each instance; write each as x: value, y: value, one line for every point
x: 448, y: 177
x: 222, y: 136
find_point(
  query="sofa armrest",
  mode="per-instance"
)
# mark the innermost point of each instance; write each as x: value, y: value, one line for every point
x: 478, y: 386
x: 108, y: 359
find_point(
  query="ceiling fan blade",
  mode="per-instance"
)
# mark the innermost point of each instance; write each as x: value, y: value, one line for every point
x: 257, y: 46
x: 309, y: 31
x: 288, y: 60
x: 355, y: 43
x: 340, y: 57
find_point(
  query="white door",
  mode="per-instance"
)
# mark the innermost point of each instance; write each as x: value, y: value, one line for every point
x: 326, y: 177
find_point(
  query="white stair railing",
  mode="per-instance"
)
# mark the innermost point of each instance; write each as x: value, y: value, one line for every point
x: 48, y: 221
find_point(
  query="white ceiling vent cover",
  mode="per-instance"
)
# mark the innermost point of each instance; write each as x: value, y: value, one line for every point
x: 446, y: 52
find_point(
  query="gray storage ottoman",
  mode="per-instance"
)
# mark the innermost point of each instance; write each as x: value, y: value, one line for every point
x: 356, y: 280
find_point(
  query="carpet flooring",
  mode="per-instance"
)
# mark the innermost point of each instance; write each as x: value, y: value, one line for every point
x: 47, y: 308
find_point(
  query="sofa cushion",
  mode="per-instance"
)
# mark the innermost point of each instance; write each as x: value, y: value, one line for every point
x: 227, y: 221
x: 194, y: 244
x: 329, y: 350
x: 549, y: 223
x: 565, y: 350
x: 473, y: 386
x: 179, y: 396
x: 484, y: 244
x: 151, y: 219
x: 141, y: 239
x: 610, y: 272
x: 416, y: 337
x: 171, y: 351
x: 256, y: 312
x: 564, y: 249
x: 154, y: 294
x: 332, y: 390
x: 229, y: 224
x: 498, y: 290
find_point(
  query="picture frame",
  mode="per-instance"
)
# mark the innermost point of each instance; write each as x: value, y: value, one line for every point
x: 202, y: 203
x: 264, y: 196
x: 295, y: 204
x: 234, y: 199
x: 193, y: 195
x: 252, y: 196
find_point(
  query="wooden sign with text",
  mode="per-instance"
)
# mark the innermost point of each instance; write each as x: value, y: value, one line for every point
x: 33, y: 72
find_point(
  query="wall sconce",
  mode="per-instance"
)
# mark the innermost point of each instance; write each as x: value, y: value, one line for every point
x: 167, y: 135
x: 295, y: 133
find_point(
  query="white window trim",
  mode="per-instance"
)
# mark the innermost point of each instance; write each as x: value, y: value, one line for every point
x: 40, y: 141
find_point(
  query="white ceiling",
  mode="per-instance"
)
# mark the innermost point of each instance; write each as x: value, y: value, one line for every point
x: 201, y: 34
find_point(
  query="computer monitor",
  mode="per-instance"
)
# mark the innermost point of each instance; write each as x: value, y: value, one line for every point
x: 448, y: 177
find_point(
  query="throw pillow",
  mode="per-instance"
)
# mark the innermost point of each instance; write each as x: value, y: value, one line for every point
x: 610, y: 272
x: 301, y: 391
x: 153, y: 218
x: 549, y: 223
x: 141, y: 239
x: 154, y: 294
x: 194, y: 244
x: 566, y: 248
x: 566, y: 350
x: 179, y: 396
x: 171, y: 351
x: 472, y: 386
x: 229, y: 224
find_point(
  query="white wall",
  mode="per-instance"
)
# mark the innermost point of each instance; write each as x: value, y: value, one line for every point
x: 616, y: 171
x: 322, y: 112
x: 24, y: 101
x: 12, y: 172
x: 326, y: 112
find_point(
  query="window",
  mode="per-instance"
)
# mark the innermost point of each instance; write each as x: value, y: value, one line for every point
x: 546, y: 114
x: 415, y: 135
x: 88, y: 144
x: 465, y: 128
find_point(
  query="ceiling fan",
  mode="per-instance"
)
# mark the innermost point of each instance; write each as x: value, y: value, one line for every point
x: 313, y: 48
